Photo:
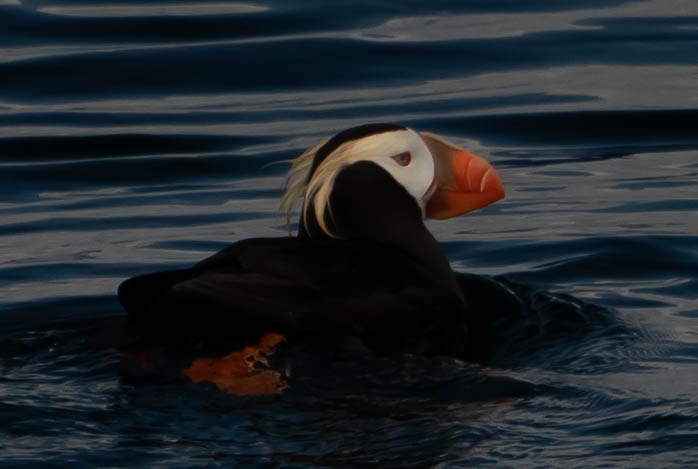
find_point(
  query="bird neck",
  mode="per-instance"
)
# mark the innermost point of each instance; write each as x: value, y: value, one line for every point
x: 367, y: 204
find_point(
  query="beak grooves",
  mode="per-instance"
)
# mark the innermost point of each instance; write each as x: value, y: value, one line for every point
x: 465, y: 182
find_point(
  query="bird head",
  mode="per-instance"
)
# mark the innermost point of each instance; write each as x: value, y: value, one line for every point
x: 441, y: 180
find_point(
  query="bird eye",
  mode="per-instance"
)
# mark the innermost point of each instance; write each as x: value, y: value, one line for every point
x: 403, y: 159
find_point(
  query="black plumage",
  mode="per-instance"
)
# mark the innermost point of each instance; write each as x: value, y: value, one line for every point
x: 384, y: 280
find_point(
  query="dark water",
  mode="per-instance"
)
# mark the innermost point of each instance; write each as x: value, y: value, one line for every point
x: 137, y: 136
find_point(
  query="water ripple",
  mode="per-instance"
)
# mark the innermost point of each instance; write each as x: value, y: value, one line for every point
x: 139, y: 136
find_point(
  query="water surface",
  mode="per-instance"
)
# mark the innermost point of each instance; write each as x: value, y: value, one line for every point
x: 138, y: 136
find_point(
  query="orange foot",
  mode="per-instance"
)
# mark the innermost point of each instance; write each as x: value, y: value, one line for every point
x: 237, y: 374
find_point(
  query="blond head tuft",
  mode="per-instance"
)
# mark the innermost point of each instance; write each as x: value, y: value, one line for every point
x: 316, y: 191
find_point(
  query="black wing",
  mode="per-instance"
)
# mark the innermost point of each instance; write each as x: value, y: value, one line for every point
x: 318, y: 289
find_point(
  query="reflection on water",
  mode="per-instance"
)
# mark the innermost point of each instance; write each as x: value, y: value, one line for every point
x: 158, y: 10
x: 141, y: 136
x: 449, y: 27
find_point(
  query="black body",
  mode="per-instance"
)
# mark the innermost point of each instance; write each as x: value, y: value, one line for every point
x: 386, y: 281
x: 315, y: 291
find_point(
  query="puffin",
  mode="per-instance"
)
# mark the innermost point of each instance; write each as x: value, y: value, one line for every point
x: 363, y: 266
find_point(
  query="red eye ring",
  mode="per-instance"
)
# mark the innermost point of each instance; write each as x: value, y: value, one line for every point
x: 403, y: 159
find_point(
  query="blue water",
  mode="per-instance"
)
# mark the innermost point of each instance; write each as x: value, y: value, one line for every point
x: 138, y: 136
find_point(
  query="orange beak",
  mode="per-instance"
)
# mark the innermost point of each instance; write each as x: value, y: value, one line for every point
x: 464, y: 182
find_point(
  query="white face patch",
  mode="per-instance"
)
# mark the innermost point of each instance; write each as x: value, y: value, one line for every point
x: 417, y: 176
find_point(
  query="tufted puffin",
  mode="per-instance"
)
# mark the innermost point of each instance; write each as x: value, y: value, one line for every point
x: 363, y: 265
